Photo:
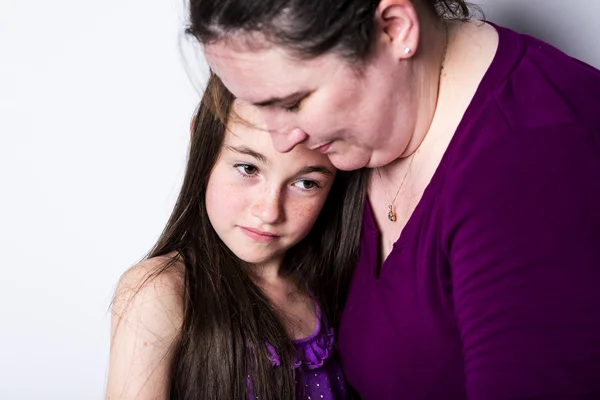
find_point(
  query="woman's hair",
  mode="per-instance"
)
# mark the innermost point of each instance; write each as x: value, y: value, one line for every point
x: 227, y: 319
x: 308, y: 28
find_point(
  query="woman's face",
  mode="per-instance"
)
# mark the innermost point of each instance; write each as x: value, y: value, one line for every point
x: 357, y: 116
x: 262, y: 202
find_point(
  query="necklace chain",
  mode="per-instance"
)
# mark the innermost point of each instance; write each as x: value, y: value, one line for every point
x: 391, y: 212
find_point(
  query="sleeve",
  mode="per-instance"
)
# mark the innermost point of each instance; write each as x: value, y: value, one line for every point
x: 523, y: 242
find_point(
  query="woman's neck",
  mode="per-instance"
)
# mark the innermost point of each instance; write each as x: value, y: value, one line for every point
x: 427, y: 70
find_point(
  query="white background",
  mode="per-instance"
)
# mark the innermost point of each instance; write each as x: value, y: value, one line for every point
x: 95, y: 106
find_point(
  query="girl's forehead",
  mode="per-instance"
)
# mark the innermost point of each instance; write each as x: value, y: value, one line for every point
x: 247, y: 128
x: 242, y: 133
x: 244, y: 139
x: 245, y: 113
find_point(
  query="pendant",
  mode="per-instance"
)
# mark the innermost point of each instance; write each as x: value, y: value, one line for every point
x: 391, y: 214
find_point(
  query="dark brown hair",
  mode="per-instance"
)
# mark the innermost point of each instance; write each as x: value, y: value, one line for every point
x: 227, y: 319
x: 308, y: 28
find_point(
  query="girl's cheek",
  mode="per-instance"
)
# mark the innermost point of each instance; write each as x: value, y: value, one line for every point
x: 305, y: 213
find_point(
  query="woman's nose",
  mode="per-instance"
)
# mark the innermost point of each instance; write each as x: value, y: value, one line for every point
x: 285, y: 141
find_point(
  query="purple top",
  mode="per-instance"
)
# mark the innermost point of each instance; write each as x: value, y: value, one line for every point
x: 320, y: 375
x: 493, y: 289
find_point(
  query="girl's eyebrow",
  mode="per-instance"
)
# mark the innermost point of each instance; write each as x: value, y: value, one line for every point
x: 315, y: 168
x: 249, y: 152
x: 306, y: 170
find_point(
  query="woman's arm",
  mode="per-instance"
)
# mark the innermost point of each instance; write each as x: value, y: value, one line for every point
x: 146, y: 320
x: 524, y: 248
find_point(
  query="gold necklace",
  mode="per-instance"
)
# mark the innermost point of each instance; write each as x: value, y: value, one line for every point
x: 392, y: 214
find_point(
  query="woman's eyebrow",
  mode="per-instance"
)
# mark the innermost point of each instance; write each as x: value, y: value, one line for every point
x: 281, y: 100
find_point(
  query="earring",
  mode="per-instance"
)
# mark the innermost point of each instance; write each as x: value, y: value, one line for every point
x: 407, y: 50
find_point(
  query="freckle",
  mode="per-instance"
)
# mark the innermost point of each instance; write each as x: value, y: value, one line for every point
x: 301, y: 211
x: 145, y: 343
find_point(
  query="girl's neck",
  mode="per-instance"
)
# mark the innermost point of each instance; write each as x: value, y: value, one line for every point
x: 288, y: 296
x: 266, y: 273
x: 294, y: 306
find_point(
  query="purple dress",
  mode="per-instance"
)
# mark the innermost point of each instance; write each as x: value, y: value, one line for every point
x: 492, y: 291
x: 321, y: 376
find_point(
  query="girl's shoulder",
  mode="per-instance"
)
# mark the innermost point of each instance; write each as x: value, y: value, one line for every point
x: 147, y: 314
x: 154, y: 282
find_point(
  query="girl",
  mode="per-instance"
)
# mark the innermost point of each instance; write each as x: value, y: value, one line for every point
x: 224, y: 305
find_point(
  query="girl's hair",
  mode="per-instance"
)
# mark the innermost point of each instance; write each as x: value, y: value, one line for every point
x: 308, y: 28
x: 227, y: 319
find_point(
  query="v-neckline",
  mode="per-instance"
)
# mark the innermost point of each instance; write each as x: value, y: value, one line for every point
x: 508, y: 51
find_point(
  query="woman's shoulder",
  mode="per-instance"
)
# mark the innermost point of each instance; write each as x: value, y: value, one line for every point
x: 525, y: 157
x: 535, y: 177
x: 536, y: 84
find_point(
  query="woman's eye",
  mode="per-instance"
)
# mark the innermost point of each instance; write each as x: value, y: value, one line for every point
x: 246, y: 169
x: 292, y: 108
x: 307, y: 184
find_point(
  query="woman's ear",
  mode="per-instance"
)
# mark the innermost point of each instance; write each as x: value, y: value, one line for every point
x: 398, y: 24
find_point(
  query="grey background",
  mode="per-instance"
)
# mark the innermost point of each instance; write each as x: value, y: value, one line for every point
x: 573, y: 26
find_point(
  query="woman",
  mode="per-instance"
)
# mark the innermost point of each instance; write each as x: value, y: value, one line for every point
x: 480, y: 253
x: 226, y: 304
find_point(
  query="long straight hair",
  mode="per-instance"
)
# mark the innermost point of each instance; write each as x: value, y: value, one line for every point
x: 227, y: 321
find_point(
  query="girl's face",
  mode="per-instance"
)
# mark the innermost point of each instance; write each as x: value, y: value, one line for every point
x: 262, y: 202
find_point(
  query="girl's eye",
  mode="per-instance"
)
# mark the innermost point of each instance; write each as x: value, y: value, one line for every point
x: 306, y: 184
x: 246, y: 169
